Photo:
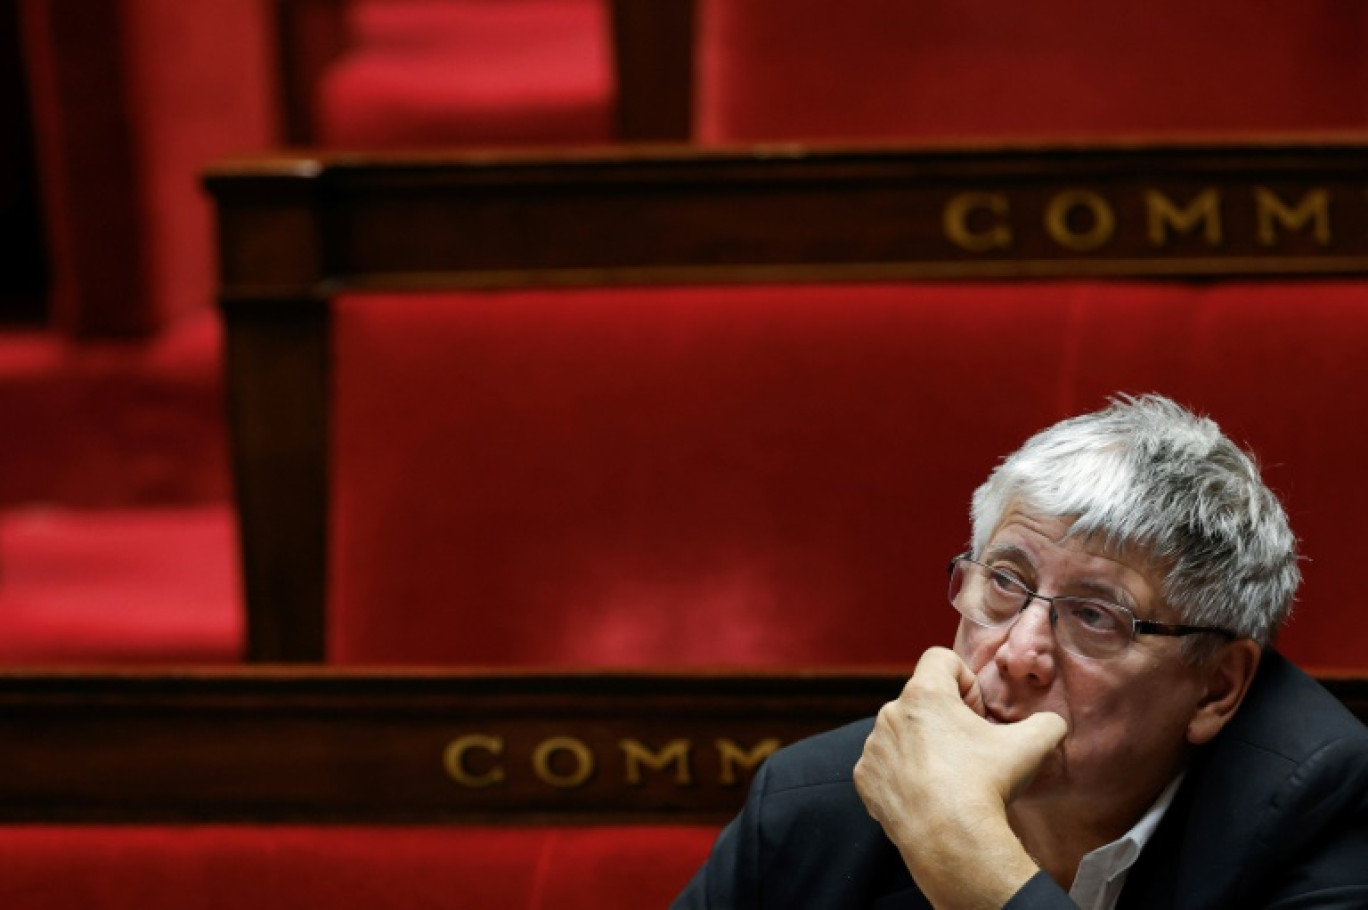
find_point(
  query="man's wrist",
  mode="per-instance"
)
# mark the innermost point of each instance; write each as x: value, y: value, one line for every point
x: 977, y: 864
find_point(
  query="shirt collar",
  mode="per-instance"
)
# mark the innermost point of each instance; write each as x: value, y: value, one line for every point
x: 1097, y: 884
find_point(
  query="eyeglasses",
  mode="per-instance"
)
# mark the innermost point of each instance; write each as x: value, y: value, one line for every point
x: 1085, y: 626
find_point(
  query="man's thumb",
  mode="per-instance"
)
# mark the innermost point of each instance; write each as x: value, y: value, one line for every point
x: 1040, y: 733
x: 1032, y: 740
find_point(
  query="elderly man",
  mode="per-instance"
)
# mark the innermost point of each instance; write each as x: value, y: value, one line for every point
x: 1111, y: 729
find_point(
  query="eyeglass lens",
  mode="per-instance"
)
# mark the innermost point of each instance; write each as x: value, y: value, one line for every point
x: 991, y: 598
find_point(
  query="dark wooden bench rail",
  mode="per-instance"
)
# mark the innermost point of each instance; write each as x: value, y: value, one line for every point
x: 266, y: 744
x: 295, y: 230
x: 320, y: 746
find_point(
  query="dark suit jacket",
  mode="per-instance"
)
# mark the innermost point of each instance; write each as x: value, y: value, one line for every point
x: 1273, y: 813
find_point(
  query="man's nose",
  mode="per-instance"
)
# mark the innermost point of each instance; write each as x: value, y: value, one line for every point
x: 1027, y: 654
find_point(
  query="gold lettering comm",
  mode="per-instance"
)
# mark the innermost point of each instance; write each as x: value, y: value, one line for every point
x: 478, y: 760
x: 1084, y: 221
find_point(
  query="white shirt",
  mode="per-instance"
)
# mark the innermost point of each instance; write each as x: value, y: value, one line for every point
x: 1102, y: 873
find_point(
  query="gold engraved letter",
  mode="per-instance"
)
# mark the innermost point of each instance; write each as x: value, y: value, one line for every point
x: 1315, y: 204
x: 1057, y: 220
x: 1163, y: 214
x: 584, y: 762
x: 676, y: 750
x: 732, y: 756
x: 955, y: 220
x: 454, y: 760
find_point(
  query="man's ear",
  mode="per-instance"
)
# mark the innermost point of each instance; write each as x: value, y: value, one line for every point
x: 1227, y: 676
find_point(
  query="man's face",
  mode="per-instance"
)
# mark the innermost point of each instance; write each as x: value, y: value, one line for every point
x: 1127, y: 714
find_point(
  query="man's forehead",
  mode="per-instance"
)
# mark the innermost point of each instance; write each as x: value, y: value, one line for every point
x: 1064, y: 531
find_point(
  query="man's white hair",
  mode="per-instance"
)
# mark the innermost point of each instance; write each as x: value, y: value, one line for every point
x: 1147, y: 476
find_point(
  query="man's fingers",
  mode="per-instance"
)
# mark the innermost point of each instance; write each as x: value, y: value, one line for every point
x: 970, y: 693
x: 942, y: 670
x: 938, y: 663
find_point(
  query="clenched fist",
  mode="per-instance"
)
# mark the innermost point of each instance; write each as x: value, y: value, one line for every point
x: 938, y: 777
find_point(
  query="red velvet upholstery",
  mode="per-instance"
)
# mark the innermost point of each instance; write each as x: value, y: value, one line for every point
x: 812, y: 69
x: 346, y: 868
x: 463, y: 72
x: 114, y: 424
x: 117, y: 538
x: 119, y: 586
x: 777, y: 476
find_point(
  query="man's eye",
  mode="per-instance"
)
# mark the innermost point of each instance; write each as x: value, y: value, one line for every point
x: 1006, y: 582
x: 1093, y: 616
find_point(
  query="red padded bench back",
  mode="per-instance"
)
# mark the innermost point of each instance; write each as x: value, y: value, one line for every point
x: 777, y: 476
x: 469, y: 72
x: 810, y: 69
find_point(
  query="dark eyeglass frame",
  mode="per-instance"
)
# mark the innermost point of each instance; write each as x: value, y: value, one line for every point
x: 1138, y: 626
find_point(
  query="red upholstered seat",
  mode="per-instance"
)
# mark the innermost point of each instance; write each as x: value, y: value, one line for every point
x: 114, y: 424
x: 777, y: 476
x: 117, y: 540
x: 346, y: 868
x: 119, y: 586
x: 811, y: 69
x: 438, y: 72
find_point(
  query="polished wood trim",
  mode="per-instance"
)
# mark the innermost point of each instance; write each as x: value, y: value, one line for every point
x: 274, y: 267
x: 319, y: 745
x: 792, y: 213
x: 310, y: 36
x: 653, y: 58
x: 277, y: 362
x: 94, y: 185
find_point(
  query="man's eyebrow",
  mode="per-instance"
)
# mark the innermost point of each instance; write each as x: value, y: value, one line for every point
x: 1008, y: 551
x: 1109, y: 593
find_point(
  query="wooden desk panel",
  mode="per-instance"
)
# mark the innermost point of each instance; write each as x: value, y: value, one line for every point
x: 272, y: 744
x: 295, y: 224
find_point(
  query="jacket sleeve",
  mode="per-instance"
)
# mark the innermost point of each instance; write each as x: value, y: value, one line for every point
x: 1040, y: 893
